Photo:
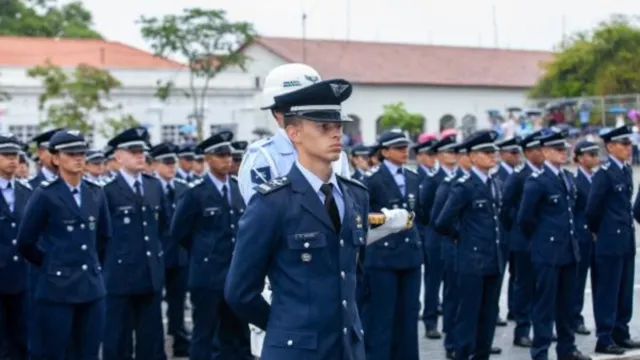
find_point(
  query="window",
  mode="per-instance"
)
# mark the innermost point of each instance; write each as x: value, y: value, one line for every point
x: 24, y: 133
x: 171, y: 133
x: 221, y: 127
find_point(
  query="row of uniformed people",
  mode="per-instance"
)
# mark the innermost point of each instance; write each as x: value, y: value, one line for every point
x: 120, y: 265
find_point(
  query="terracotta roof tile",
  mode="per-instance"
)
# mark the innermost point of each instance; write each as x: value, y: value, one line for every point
x: 407, y: 64
x: 32, y: 51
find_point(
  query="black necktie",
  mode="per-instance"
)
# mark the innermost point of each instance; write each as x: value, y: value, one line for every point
x: 225, y: 194
x: 564, y: 183
x: 491, y: 188
x: 171, y: 194
x: 330, y: 205
x: 138, y: 190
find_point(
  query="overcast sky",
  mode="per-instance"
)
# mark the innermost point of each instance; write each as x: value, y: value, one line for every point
x: 523, y: 24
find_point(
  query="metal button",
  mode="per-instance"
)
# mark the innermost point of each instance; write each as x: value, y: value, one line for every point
x: 99, y: 268
x: 144, y: 208
x: 83, y: 247
x: 386, y: 243
x: 289, y: 342
x: 343, y: 274
x: 146, y: 238
x: 341, y: 242
x: 233, y: 226
x: 81, y: 226
x: 406, y: 240
x: 148, y: 253
x: 14, y: 242
x: 119, y: 261
x: 586, y: 227
x: 58, y: 273
x: 206, y: 259
x: 360, y: 239
x: 13, y: 225
x: 475, y: 248
x: 618, y: 231
x: 306, y: 245
x: 231, y: 212
x: 84, y: 267
x: 344, y: 331
x: 552, y: 238
x: 144, y: 223
x: 16, y: 258
x: 344, y: 303
x: 233, y: 240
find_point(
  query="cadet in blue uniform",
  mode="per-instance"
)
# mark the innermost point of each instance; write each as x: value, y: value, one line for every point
x: 610, y: 219
x: 94, y: 169
x: 434, y: 265
x: 186, y: 157
x: 63, y: 232
x: 304, y: 232
x: 426, y: 157
x: 546, y: 217
x: 509, y: 159
x: 360, y: 162
x: 239, y: 148
x: 111, y: 165
x: 519, y: 246
x: 586, y: 155
x: 13, y: 268
x: 470, y: 218
x: 47, y: 171
x: 393, y: 264
x: 199, y: 167
x: 450, y: 297
x: 133, y: 263
x: 205, y: 223
x: 164, y: 157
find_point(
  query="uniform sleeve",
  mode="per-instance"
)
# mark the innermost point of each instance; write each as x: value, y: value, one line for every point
x: 510, y: 196
x: 185, y: 214
x: 104, y: 227
x: 257, y: 241
x: 165, y: 216
x: 33, y: 221
x: 457, y: 200
x: 440, y: 199
x: 597, y: 194
x: 254, y: 170
x: 528, y: 211
x: 426, y: 196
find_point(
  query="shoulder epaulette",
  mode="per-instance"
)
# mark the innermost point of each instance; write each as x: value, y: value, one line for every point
x: 606, y: 165
x: 519, y: 167
x: 352, y: 181
x: 195, y: 183
x: 464, y: 178
x: 537, y: 173
x: 180, y: 181
x: 411, y: 171
x: 46, y: 183
x: 24, y: 183
x: 450, y: 178
x: 272, y: 185
x: 109, y: 180
x: 234, y: 178
x: 258, y: 144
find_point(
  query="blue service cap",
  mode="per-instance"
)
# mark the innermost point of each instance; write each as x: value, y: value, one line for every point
x: 9, y: 144
x: 42, y: 139
x: 532, y: 140
x: 556, y: 139
x: 360, y: 150
x: 238, y: 148
x: 136, y: 138
x: 199, y: 155
x: 620, y: 134
x: 425, y: 146
x: 95, y: 157
x: 393, y: 139
x: 68, y: 141
x: 483, y: 140
x: 165, y: 152
x: 511, y: 144
x: 446, y: 144
x: 187, y: 151
x: 317, y: 102
x: 218, y: 143
x: 586, y: 147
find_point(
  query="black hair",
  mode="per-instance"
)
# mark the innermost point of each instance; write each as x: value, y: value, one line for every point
x: 292, y: 120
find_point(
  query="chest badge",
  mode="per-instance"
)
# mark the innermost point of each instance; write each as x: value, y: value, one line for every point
x: 305, y: 257
x: 358, y: 222
x: 69, y: 228
x: 126, y: 220
x: 412, y: 201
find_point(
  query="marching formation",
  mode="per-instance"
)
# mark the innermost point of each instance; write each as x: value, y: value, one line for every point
x: 284, y: 263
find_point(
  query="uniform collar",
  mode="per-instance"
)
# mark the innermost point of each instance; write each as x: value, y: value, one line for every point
x: 219, y: 184
x: 166, y: 183
x: 131, y: 179
x: 449, y: 172
x: 315, y: 181
x: 48, y: 174
x: 554, y: 169
x: 584, y: 173
x: 182, y: 173
x: 532, y: 167
x: 507, y: 167
x: 484, y: 177
x: 71, y: 188
x: 4, y: 182
x: 393, y: 168
x: 616, y: 161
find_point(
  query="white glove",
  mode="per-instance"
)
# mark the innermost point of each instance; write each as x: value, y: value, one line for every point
x: 396, y: 220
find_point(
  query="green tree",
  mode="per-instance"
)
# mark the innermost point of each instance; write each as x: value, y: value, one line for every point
x: 112, y: 126
x: 397, y: 116
x: 45, y: 18
x: 604, y: 61
x: 207, y: 40
x: 70, y: 98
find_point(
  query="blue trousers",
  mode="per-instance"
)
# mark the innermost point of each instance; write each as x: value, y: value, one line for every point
x: 613, y: 305
x: 524, y: 286
x: 61, y: 325
x: 433, y: 275
x: 553, y: 300
x: 449, y: 304
x: 475, y: 321
x: 217, y: 332
x: 143, y: 314
x: 390, y: 313
x: 13, y: 326
x: 586, y: 250
x: 175, y: 295
x: 510, y: 285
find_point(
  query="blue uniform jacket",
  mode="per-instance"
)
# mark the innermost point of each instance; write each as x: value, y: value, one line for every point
x: 286, y: 234
x: 501, y: 174
x: 65, y: 241
x: 401, y: 250
x: 206, y: 225
x: 583, y: 187
x: 609, y: 213
x: 546, y: 218
x: 358, y: 175
x: 470, y: 217
x: 133, y: 261
x: 426, y: 196
x: 511, y: 197
x: 448, y: 250
x: 13, y: 267
x: 174, y: 254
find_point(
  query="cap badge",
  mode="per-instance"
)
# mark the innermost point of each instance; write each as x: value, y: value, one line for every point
x: 338, y: 89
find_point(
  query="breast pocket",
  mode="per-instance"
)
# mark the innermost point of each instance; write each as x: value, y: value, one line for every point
x: 211, y: 216
x: 123, y: 216
x: 307, y: 250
